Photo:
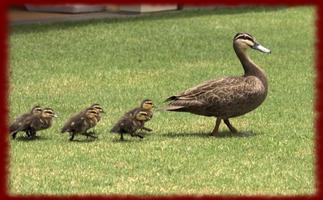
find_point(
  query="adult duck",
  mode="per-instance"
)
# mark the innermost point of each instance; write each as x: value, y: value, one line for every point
x: 227, y: 97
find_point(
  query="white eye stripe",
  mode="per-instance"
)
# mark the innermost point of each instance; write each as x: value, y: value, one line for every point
x: 245, y: 37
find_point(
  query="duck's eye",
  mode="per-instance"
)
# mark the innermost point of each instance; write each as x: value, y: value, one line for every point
x: 245, y: 37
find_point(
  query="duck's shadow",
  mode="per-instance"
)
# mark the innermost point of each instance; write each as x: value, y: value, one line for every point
x: 224, y: 134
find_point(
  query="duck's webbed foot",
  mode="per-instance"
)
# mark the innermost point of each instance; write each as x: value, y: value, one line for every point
x: 216, y: 128
x: 232, y: 129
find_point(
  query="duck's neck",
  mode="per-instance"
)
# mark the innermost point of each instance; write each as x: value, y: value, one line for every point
x: 250, y: 68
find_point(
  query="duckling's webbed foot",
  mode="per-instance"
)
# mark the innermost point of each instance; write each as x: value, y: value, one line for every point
x: 232, y: 129
x: 216, y: 128
x: 136, y: 135
x: 90, y: 134
x: 140, y: 136
x: 147, y: 129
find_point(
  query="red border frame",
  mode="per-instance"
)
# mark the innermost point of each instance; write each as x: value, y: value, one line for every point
x: 4, y: 85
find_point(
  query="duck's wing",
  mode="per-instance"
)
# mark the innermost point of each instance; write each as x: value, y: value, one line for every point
x: 213, y: 92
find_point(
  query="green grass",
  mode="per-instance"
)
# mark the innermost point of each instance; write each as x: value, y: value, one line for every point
x: 119, y: 62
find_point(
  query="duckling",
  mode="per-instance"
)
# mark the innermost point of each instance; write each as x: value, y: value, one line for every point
x: 146, y: 106
x: 130, y: 124
x: 21, y: 121
x: 227, y: 97
x: 42, y: 121
x: 81, y: 123
x: 37, y: 122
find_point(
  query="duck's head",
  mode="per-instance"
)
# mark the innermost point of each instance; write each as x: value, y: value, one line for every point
x: 48, y: 113
x: 245, y: 40
x: 142, y: 116
x: 91, y: 113
x: 97, y: 107
x: 36, y: 110
x: 147, y: 104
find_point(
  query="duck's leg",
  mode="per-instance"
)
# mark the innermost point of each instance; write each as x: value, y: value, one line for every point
x: 216, y: 128
x: 232, y: 129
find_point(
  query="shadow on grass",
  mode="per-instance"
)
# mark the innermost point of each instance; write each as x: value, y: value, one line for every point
x: 224, y: 134
x: 85, y: 140
x: 130, y: 17
x: 26, y: 139
x: 242, y: 134
x: 127, y: 139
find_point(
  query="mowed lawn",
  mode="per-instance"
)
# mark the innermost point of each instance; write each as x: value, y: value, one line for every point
x: 119, y: 62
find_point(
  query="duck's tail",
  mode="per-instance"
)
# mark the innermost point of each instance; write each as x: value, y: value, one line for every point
x: 171, y: 98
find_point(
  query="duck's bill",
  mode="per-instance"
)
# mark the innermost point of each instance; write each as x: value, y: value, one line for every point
x: 261, y: 48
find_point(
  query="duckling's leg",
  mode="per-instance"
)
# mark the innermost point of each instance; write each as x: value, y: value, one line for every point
x: 72, y: 136
x: 232, y: 129
x: 28, y: 134
x: 216, y: 128
x: 121, y: 136
x: 32, y: 134
x: 14, y: 135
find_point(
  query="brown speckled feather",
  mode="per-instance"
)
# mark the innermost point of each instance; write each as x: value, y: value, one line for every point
x: 225, y: 97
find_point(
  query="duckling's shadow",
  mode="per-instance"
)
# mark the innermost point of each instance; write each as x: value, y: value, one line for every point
x: 83, y: 140
x: 128, y: 140
x: 224, y: 134
x: 26, y: 139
